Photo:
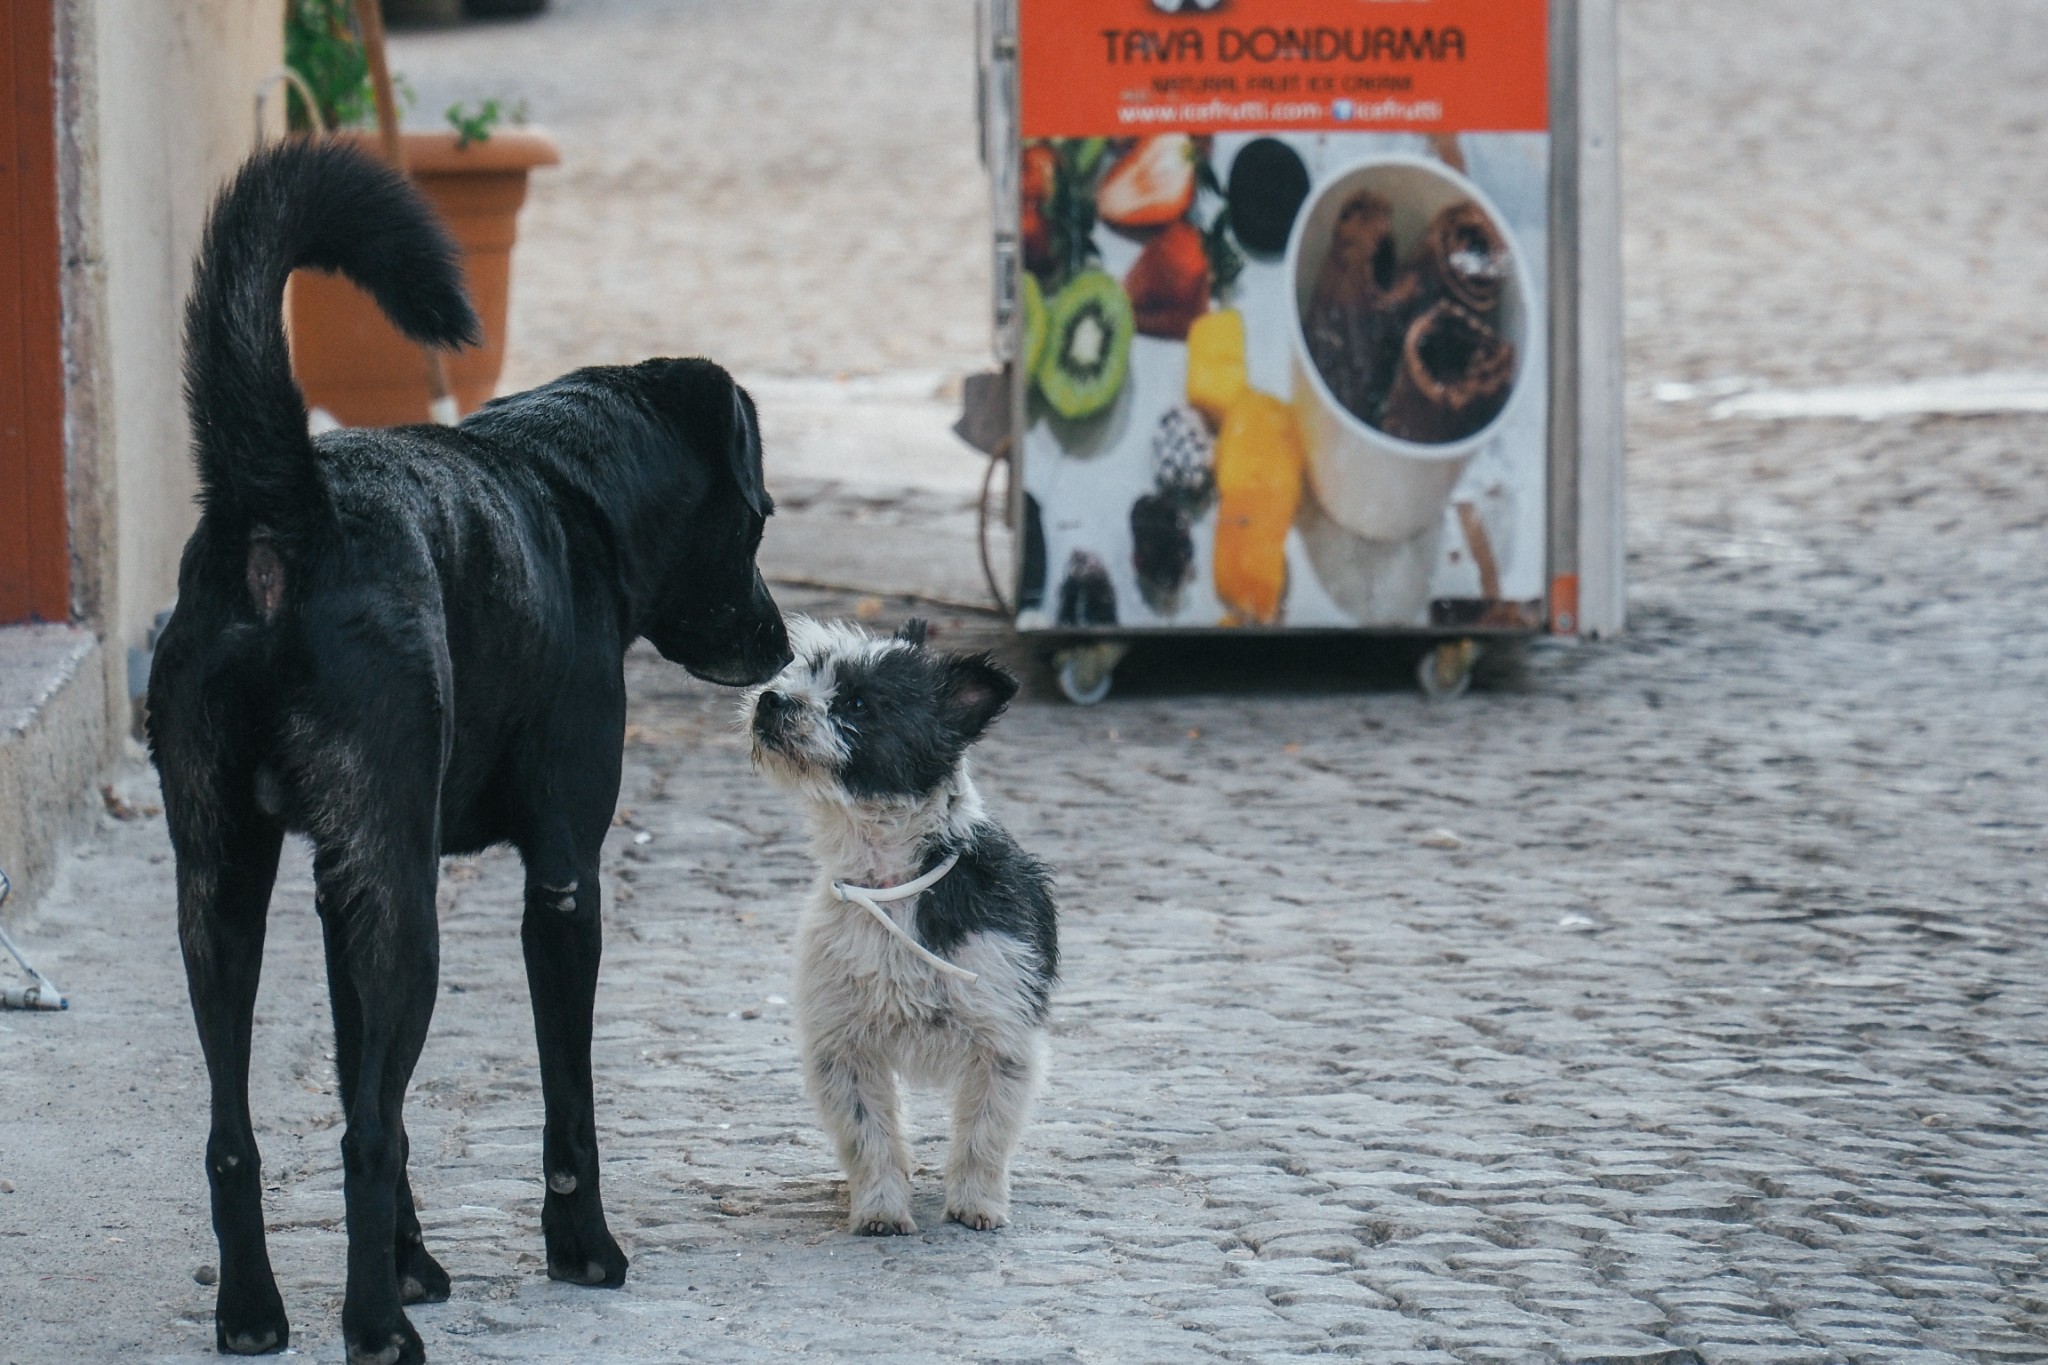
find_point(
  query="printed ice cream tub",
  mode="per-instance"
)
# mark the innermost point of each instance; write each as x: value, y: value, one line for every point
x: 1377, y: 485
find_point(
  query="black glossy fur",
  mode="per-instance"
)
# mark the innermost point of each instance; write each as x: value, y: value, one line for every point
x: 408, y: 643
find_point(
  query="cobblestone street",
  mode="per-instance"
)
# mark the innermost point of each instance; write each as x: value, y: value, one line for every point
x: 1677, y: 999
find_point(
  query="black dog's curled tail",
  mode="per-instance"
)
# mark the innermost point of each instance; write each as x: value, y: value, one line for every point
x: 330, y: 207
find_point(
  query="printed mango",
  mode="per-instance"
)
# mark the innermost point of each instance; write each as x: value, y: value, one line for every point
x: 1259, y: 465
x: 1216, y: 375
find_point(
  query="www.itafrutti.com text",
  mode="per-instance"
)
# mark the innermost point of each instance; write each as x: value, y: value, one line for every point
x: 1278, y: 113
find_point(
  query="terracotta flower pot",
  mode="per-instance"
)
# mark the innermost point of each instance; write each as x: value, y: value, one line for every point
x: 352, y: 362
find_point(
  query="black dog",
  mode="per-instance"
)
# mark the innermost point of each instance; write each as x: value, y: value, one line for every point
x: 408, y: 643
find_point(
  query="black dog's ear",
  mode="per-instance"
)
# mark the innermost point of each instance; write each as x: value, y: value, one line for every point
x: 975, y: 692
x: 745, y: 453
x: 913, y: 631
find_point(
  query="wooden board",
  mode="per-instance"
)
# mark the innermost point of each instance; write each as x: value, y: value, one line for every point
x: 35, y: 573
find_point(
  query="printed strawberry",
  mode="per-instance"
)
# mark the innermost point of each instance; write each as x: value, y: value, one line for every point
x: 1037, y: 235
x: 1041, y: 164
x: 1040, y: 170
x: 1153, y: 185
x: 1169, y: 283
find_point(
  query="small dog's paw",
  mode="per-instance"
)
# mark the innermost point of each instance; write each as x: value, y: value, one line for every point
x: 978, y: 1197
x: 980, y: 1218
x: 879, y: 1224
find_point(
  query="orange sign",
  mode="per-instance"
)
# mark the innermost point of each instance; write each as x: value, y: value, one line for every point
x: 1564, y: 604
x: 1100, y: 68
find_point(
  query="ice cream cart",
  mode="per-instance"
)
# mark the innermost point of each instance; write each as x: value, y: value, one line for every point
x: 1309, y: 316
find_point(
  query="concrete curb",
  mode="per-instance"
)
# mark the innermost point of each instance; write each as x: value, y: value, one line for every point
x: 53, y: 744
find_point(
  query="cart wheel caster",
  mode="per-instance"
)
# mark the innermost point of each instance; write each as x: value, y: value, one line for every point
x: 1085, y: 671
x: 1446, y: 670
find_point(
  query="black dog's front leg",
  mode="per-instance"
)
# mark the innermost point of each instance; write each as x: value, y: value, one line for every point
x: 226, y: 866
x: 562, y: 935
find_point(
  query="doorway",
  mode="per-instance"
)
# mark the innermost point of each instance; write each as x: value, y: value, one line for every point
x: 35, y: 577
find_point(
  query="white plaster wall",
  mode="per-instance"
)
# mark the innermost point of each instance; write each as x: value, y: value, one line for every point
x: 174, y: 102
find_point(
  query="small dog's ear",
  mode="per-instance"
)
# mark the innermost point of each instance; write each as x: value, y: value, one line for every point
x: 975, y: 693
x: 913, y: 631
x: 744, y: 450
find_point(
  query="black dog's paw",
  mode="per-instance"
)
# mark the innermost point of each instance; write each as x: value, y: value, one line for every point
x: 251, y: 1341
x: 604, y: 1267
x: 420, y: 1277
x: 580, y: 1247
x: 399, y: 1345
x: 581, y: 1253
x: 250, y: 1323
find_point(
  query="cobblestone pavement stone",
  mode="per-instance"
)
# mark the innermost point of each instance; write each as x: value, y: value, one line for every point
x: 1715, y: 1029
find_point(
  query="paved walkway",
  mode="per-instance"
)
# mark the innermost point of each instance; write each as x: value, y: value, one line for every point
x: 791, y: 186
x: 1682, y: 999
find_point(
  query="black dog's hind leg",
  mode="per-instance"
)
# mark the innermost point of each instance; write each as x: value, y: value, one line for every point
x: 227, y: 863
x: 562, y: 934
x: 382, y: 941
x: 420, y: 1277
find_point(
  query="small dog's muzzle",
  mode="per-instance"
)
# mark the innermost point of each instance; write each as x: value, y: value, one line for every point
x: 772, y: 713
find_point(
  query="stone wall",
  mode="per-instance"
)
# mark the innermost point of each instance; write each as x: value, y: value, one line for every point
x: 160, y: 109
x: 155, y: 107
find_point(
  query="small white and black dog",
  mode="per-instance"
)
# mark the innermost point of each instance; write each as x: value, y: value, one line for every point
x: 947, y: 985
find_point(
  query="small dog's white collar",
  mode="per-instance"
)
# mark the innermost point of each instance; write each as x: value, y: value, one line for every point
x: 867, y: 897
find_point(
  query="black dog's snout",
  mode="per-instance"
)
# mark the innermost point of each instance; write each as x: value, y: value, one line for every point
x: 772, y: 640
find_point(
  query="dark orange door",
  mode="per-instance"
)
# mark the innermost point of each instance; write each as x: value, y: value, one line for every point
x: 35, y: 569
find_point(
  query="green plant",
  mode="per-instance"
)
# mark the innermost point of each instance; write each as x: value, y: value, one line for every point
x: 1219, y: 239
x: 477, y: 127
x: 320, y: 44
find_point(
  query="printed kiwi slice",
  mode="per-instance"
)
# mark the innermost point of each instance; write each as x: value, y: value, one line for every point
x: 1034, y: 323
x: 1088, y: 329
